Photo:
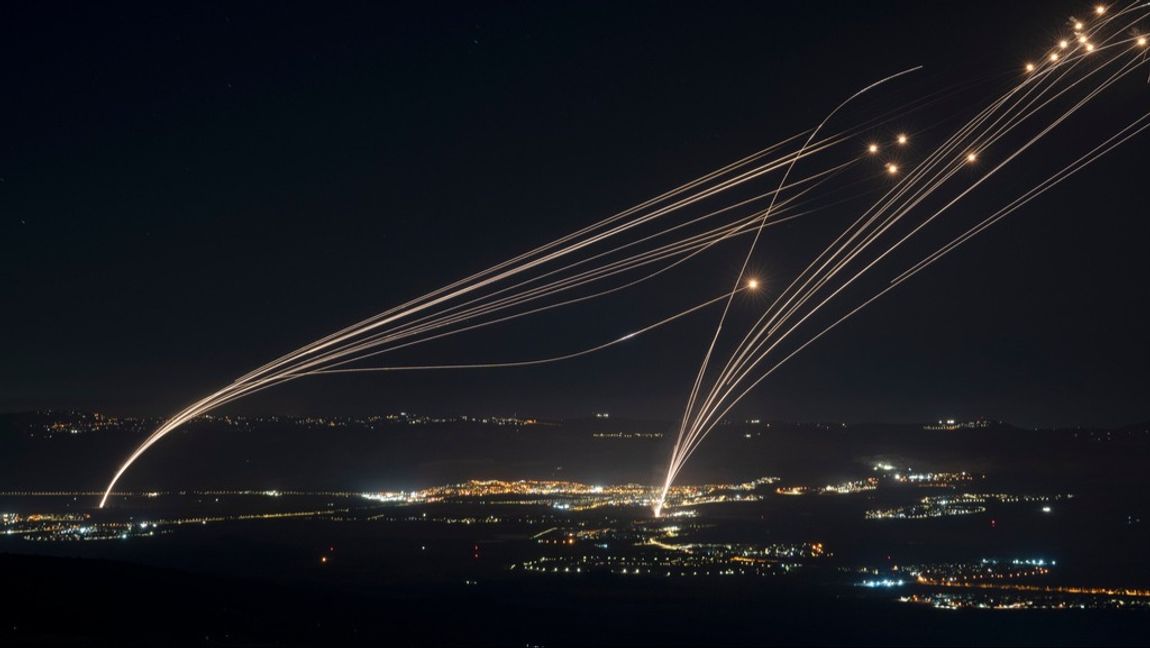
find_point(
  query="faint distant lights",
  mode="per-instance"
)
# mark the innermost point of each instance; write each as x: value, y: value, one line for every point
x: 955, y: 424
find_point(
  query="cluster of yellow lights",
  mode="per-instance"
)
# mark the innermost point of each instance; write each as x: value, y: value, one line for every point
x: 1089, y: 47
x: 901, y: 139
x: 891, y: 168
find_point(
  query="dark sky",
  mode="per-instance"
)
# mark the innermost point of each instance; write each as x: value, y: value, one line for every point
x: 188, y: 190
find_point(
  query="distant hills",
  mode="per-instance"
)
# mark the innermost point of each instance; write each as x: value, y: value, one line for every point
x: 80, y: 450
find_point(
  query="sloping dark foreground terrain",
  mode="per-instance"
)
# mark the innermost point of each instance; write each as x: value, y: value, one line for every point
x: 71, y: 602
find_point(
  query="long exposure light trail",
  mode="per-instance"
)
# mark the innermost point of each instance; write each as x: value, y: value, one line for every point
x: 356, y: 341
x: 751, y: 285
x: 645, y: 245
x: 1002, y: 117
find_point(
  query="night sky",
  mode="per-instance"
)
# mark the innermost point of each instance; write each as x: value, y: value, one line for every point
x: 189, y: 190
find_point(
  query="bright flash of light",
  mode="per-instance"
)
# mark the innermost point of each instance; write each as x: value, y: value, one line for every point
x: 753, y: 284
x: 1053, y: 56
x: 1142, y: 41
x: 972, y: 157
x: 1063, y: 44
x: 892, y: 169
x: 872, y: 148
x: 1078, y: 26
x: 902, y: 139
x: 1099, y: 9
x: 1029, y: 67
x: 1089, y: 47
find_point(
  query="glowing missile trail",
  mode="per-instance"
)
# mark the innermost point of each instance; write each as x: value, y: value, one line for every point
x: 751, y: 285
x: 751, y: 250
x: 370, y: 337
x: 349, y: 342
x: 1013, y: 110
x: 640, y: 245
x: 698, y: 434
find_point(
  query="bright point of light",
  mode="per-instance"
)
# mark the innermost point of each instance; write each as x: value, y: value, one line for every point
x: 1142, y: 41
x: 1099, y: 9
x: 902, y: 138
x: 972, y: 157
x: 1029, y: 67
x: 892, y: 169
x: 1046, y: 509
x: 1063, y: 44
x: 1053, y: 56
x: 1077, y: 26
x: 1089, y: 47
x: 872, y: 148
x: 753, y: 284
